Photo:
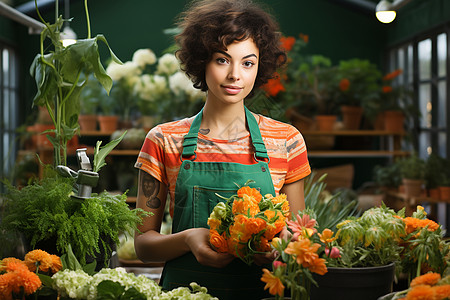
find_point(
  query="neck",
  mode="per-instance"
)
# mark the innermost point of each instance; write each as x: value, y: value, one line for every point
x: 223, y: 121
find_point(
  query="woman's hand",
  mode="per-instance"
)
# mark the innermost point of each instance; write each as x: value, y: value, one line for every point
x: 198, y: 241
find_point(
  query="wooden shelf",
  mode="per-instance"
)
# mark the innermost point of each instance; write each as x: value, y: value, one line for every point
x: 354, y: 133
x: 356, y: 153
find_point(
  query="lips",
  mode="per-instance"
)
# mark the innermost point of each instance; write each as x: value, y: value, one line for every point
x: 231, y: 89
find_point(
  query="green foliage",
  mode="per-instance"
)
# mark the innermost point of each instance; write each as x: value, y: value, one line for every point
x: 57, y: 75
x: 100, y: 153
x: 412, y: 167
x: 44, y: 210
x: 363, y: 78
x: 111, y: 290
x: 371, y: 240
x: 437, y: 171
x: 387, y: 176
x: 327, y: 211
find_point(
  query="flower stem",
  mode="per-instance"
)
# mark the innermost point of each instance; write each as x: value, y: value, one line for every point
x: 87, y: 19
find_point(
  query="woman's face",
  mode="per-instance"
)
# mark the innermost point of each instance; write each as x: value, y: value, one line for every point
x: 231, y: 74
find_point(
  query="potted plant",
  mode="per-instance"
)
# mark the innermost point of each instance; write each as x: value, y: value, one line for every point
x: 387, y: 178
x: 435, y: 170
x: 358, y: 84
x: 89, y: 104
x: 412, y: 169
x: 58, y: 79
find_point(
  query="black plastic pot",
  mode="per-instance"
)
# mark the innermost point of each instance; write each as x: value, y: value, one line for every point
x: 368, y: 283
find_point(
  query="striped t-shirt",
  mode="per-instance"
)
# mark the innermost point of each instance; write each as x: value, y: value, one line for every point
x: 160, y: 153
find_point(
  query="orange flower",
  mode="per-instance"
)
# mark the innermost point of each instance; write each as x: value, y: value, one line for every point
x: 386, y: 89
x: 326, y: 236
x: 214, y: 223
x: 304, y: 252
x: 287, y: 42
x: 26, y: 279
x: 239, y: 229
x: 412, y: 224
x: 38, y: 258
x: 252, y: 192
x: 344, y: 84
x: 245, y: 206
x: 426, y: 279
x: 420, y: 292
x: 302, y: 223
x: 255, y: 225
x: 5, y: 262
x: 273, y: 283
x: 304, y: 37
x: 318, y: 266
x: 392, y: 75
x: 6, y: 286
x: 441, y: 292
x: 15, y: 266
x: 263, y: 245
x: 56, y: 263
x: 282, y: 198
x: 273, y: 229
x: 218, y: 241
x: 273, y: 86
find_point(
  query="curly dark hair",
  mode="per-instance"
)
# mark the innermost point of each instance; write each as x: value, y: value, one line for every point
x: 208, y: 26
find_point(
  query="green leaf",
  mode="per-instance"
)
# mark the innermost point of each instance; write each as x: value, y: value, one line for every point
x: 90, y: 268
x: 46, y: 80
x: 100, y: 153
x: 134, y: 294
x: 46, y: 280
x: 108, y: 289
x: 69, y: 260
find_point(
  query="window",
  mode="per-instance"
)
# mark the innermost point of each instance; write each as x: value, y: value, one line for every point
x: 9, y: 99
x: 424, y: 65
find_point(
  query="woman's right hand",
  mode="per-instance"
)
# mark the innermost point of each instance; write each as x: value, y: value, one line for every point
x: 198, y: 241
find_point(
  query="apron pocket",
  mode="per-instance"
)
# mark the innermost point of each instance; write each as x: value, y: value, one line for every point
x: 205, y: 199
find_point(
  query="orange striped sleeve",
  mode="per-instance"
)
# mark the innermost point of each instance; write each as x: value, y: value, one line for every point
x: 297, y: 158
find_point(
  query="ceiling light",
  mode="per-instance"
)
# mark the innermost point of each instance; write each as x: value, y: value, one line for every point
x: 385, y: 10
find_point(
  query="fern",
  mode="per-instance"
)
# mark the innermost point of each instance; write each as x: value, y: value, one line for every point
x: 44, y: 211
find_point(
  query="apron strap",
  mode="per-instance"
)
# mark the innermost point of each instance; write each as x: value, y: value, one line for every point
x: 191, y: 138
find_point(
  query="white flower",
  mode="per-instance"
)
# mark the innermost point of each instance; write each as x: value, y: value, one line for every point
x: 179, y: 83
x: 151, y: 87
x: 126, y: 70
x: 73, y: 284
x: 141, y: 283
x: 143, y: 57
x: 167, y: 64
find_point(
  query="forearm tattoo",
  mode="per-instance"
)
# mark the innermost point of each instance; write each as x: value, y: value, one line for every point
x: 150, y: 187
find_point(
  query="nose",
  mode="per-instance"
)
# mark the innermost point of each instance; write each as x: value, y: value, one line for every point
x: 233, y: 73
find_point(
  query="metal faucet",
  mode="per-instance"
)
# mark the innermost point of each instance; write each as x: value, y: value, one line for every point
x: 86, y: 178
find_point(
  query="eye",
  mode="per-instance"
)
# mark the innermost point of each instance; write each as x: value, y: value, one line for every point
x: 248, y: 64
x: 221, y: 60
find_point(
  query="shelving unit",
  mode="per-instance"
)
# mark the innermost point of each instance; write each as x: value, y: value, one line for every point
x: 390, y: 143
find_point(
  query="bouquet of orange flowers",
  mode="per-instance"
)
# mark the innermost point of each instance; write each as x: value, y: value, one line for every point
x: 19, y: 277
x: 246, y: 223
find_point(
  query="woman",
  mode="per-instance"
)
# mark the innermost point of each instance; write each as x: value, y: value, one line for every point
x: 228, y: 48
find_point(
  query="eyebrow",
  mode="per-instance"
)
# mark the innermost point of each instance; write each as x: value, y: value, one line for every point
x: 228, y: 55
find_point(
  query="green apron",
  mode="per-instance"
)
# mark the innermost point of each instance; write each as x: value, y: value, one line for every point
x: 195, y: 198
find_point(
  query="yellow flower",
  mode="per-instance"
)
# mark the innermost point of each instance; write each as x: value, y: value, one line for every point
x: 273, y: 283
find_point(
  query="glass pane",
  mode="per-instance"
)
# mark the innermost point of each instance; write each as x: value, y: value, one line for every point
x: 5, y: 69
x: 442, y: 54
x: 442, y: 104
x: 424, y: 53
x: 425, y: 105
x: 5, y: 109
x: 424, y: 144
x: 400, y: 64
x: 410, y: 65
x: 392, y: 60
x: 442, y: 142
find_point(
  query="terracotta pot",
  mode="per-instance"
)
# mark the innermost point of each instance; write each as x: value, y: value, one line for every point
x: 351, y: 116
x: 108, y: 123
x: 378, y: 124
x: 326, y: 122
x: 88, y: 122
x: 444, y: 193
x: 394, y: 121
x: 434, y: 193
x: 42, y: 141
x: 413, y: 187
